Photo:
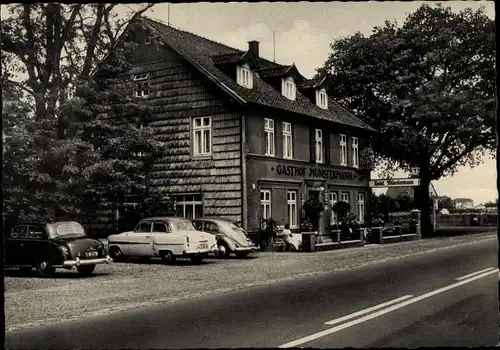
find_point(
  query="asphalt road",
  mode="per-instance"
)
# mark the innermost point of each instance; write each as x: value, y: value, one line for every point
x: 435, y: 309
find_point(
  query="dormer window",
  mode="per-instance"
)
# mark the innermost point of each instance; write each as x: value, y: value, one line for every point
x: 244, y: 76
x: 288, y: 88
x: 322, y: 99
x: 142, y: 88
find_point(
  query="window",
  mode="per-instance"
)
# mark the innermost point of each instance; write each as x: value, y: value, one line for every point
x: 19, y: 232
x: 287, y: 141
x: 36, y: 232
x: 288, y: 88
x: 244, y: 76
x: 265, y: 203
x: 143, y: 226
x: 160, y: 227
x: 211, y: 227
x: 202, y: 135
x: 142, y: 88
x: 291, y: 204
x: 355, y: 152
x: 318, y: 136
x: 269, y: 132
x: 322, y: 99
x: 344, y: 197
x: 333, y: 199
x: 189, y: 206
x: 343, y: 150
x: 361, y: 207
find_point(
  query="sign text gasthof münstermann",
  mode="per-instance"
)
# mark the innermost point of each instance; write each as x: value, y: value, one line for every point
x: 292, y: 170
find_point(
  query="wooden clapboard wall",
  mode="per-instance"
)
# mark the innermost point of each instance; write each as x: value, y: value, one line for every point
x: 178, y: 93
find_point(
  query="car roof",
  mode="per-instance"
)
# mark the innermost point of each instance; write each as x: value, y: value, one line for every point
x: 215, y: 220
x: 163, y: 218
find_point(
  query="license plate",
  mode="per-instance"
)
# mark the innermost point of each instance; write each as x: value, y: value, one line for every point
x: 91, y: 254
x: 203, y: 246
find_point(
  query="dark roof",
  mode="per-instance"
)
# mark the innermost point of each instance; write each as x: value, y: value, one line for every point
x: 163, y: 218
x: 311, y: 83
x: 463, y: 200
x: 199, y: 52
x: 227, y: 58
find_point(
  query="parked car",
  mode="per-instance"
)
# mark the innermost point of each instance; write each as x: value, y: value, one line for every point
x: 47, y: 246
x: 165, y: 237
x: 231, y: 237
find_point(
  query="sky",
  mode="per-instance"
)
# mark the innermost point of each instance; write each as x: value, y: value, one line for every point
x: 303, y: 33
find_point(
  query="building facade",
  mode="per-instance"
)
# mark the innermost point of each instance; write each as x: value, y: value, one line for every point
x: 247, y: 138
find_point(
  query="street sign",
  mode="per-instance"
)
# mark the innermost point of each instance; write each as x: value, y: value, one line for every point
x: 395, y: 183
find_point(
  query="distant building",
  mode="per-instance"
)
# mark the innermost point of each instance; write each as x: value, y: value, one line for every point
x: 463, y: 203
x: 394, y: 192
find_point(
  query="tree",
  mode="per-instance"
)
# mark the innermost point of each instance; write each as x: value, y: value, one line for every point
x: 81, y: 143
x: 491, y: 204
x: 446, y: 203
x: 428, y: 86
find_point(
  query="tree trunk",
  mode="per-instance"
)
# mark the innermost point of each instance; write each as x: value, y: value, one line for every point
x: 422, y: 200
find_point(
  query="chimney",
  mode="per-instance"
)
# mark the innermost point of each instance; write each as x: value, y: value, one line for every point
x: 253, y: 47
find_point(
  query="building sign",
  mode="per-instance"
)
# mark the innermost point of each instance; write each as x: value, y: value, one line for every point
x: 317, y: 173
x: 395, y: 183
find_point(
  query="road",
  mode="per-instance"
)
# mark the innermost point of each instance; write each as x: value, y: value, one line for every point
x: 437, y: 304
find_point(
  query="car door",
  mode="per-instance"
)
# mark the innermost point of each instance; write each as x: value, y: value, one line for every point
x: 37, y: 245
x: 14, y: 245
x: 139, y: 241
x: 161, y: 235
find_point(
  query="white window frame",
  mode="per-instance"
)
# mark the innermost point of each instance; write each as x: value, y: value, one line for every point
x: 343, y: 150
x: 322, y: 98
x: 344, y: 197
x: 355, y: 152
x: 200, y: 134
x: 186, y: 202
x: 334, y: 197
x: 291, y: 206
x: 265, y: 203
x: 318, y: 139
x: 361, y: 207
x: 244, y: 76
x: 288, y: 88
x: 287, y: 141
x: 142, y: 85
x: 269, y: 137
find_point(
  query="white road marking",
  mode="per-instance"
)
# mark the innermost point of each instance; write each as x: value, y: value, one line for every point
x: 366, y: 311
x: 473, y: 274
x: 311, y: 337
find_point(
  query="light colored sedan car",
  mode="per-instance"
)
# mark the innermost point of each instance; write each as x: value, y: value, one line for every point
x: 231, y: 238
x: 165, y: 237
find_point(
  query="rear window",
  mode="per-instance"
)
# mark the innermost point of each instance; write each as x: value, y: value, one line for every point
x: 70, y: 228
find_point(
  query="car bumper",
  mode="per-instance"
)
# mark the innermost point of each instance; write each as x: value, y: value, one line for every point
x: 82, y: 262
x: 246, y: 249
x: 200, y: 251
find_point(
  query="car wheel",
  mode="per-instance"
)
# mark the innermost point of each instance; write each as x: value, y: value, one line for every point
x: 224, y: 251
x: 116, y: 254
x: 85, y: 270
x: 45, y: 269
x: 242, y: 255
x: 168, y: 257
x: 197, y: 259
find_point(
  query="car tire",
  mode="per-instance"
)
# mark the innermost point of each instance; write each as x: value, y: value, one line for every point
x: 44, y: 269
x: 116, y: 254
x: 224, y: 252
x: 197, y: 259
x: 85, y: 270
x: 242, y: 255
x: 167, y: 257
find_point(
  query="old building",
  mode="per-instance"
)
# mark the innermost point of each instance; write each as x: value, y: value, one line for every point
x: 247, y: 138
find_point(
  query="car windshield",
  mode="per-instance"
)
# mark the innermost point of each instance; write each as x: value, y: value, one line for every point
x: 70, y: 228
x: 181, y: 225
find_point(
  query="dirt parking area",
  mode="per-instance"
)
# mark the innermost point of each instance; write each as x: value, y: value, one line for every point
x: 30, y: 301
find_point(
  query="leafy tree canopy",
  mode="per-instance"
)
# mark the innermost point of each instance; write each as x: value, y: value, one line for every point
x: 427, y: 85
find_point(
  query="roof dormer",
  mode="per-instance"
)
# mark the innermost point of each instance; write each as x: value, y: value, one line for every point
x: 244, y: 76
x: 321, y: 98
x: 288, y: 88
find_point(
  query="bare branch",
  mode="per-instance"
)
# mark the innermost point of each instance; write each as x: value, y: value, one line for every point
x: 91, y: 44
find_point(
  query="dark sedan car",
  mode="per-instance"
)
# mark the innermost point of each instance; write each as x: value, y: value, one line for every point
x: 47, y: 246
